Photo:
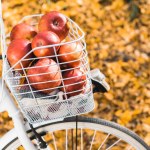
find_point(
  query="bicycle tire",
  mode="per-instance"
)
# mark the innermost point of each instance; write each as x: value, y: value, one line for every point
x: 100, y: 124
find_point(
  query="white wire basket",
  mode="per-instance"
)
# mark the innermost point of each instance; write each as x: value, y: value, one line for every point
x: 37, y: 106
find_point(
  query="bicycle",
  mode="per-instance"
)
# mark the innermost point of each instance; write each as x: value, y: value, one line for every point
x: 32, y: 124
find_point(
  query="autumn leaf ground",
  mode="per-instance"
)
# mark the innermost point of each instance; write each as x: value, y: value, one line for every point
x: 118, y: 43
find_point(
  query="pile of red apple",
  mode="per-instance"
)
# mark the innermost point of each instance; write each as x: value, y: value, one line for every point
x: 46, y: 74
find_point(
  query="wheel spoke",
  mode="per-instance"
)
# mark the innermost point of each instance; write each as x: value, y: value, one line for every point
x: 93, y: 139
x: 104, y: 141
x: 66, y: 139
x: 113, y: 144
x: 76, y: 132
x: 72, y: 139
x: 81, y: 139
x: 54, y: 141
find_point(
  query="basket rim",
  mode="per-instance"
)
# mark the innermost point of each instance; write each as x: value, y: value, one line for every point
x: 46, y: 46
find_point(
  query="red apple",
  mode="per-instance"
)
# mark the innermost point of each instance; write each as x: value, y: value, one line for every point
x: 56, y: 22
x: 42, y: 39
x: 16, y: 50
x: 70, y: 52
x: 22, y: 31
x: 49, y: 71
x: 75, y: 77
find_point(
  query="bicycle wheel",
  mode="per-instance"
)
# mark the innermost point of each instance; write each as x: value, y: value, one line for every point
x: 92, y: 134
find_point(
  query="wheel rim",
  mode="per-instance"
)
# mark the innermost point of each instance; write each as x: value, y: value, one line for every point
x: 97, y: 128
x: 106, y: 127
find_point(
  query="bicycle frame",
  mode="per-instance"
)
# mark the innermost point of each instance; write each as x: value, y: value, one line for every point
x: 19, y: 125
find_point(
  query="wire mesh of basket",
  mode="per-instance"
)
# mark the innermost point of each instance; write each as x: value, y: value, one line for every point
x: 54, y: 102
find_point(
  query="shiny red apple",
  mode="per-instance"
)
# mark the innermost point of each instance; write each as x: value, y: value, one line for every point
x: 22, y: 31
x: 42, y: 39
x: 56, y: 22
x: 16, y: 50
x: 70, y: 52
x: 77, y: 78
x: 46, y: 71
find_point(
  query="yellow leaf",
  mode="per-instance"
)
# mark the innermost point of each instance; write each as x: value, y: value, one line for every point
x: 136, y: 112
x: 5, y: 114
x: 118, y: 113
x: 94, y: 24
x: 147, y: 120
x: 117, y: 23
x: 124, y: 117
x: 109, y: 96
x: 117, y: 4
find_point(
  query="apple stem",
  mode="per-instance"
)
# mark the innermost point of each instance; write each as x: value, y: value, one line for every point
x: 56, y: 23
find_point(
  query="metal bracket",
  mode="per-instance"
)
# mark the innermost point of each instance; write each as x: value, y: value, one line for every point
x: 42, y: 143
x: 98, y: 80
